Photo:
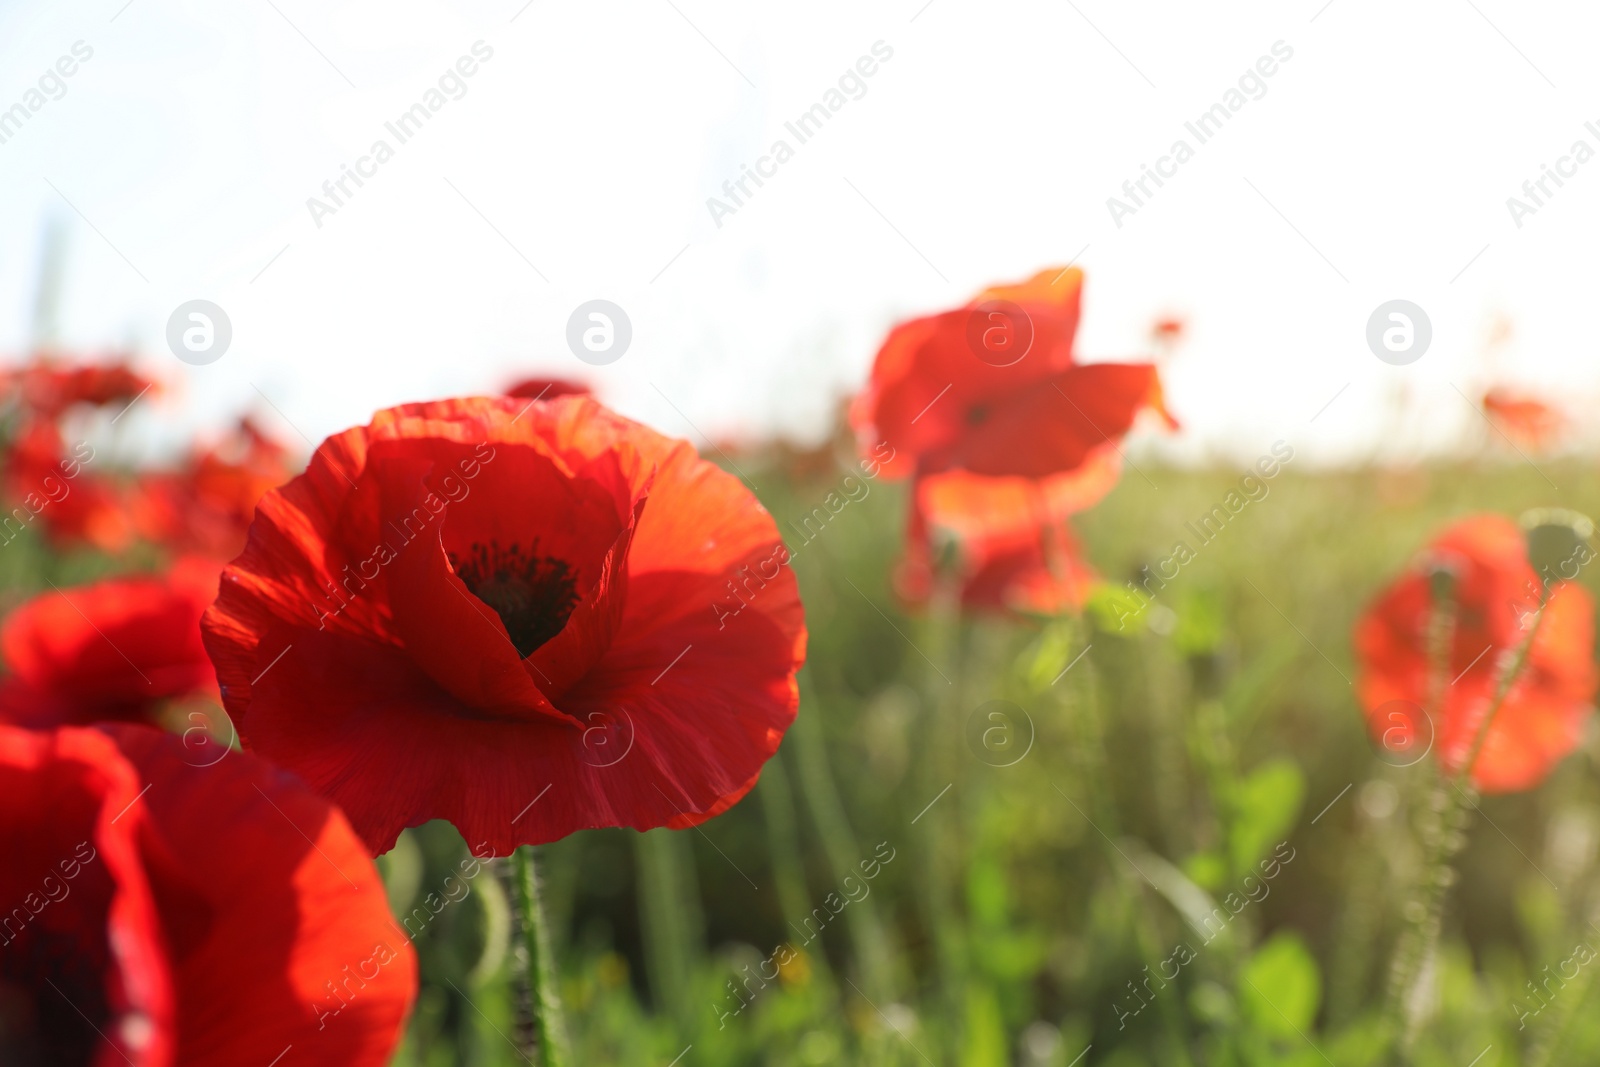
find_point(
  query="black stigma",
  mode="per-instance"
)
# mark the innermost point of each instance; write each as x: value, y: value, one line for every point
x: 532, y: 594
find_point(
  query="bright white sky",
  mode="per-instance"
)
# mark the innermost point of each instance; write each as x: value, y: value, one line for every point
x: 1376, y: 166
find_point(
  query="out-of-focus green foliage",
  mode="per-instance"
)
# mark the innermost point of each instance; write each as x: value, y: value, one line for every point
x: 1173, y: 846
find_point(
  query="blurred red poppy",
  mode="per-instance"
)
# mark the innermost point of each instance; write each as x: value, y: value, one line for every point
x: 1495, y: 588
x: 525, y: 619
x: 547, y: 388
x: 206, y: 506
x: 50, y: 482
x: 159, y: 913
x: 1528, y: 423
x: 93, y: 514
x: 48, y: 388
x: 1168, y: 329
x: 1039, y: 571
x: 993, y: 388
x: 114, y: 649
x: 1013, y: 549
x: 972, y: 506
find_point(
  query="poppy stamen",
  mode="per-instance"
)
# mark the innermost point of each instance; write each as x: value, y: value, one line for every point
x: 532, y: 594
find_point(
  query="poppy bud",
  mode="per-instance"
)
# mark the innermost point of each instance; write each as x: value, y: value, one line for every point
x: 1558, y: 543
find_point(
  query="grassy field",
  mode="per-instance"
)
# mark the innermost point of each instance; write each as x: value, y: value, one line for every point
x: 1181, y: 850
x: 1056, y: 842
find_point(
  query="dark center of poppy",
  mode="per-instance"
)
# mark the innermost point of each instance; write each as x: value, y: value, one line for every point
x: 38, y: 1026
x: 977, y: 414
x: 532, y: 594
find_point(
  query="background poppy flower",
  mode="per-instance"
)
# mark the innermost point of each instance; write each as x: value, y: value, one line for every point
x: 947, y: 396
x: 46, y: 478
x: 93, y: 514
x: 527, y: 618
x: 1529, y: 423
x: 1169, y: 329
x: 162, y: 913
x: 49, y: 482
x: 114, y: 649
x: 1038, y: 571
x: 48, y: 388
x: 1496, y: 590
x: 547, y: 388
x: 1013, y: 548
x: 207, y: 505
x: 974, y: 506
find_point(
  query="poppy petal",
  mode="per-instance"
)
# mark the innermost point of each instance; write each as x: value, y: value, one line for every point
x: 649, y: 590
x: 336, y: 976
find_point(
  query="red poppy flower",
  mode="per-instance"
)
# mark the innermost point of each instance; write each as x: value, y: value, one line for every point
x: 1168, y: 329
x: 115, y: 649
x: 974, y: 507
x: 162, y: 913
x: 1495, y: 588
x: 94, y: 513
x: 48, y: 388
x: 527, y: 619
x: 207, y: 506
x: 1528, y: 423
x: 1041, y: 573
x: 50, y: 483
x: 1046, y: 576
x: 1014, y: 550
x: 992, y: 388
x: 547, y: 388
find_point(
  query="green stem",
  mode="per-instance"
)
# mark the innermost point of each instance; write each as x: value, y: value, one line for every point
x: 1550, y: 1040
x: 1450, y: 799
x: 1168, y: 769
x: 866, y: 930
x: 941, y: 837
x: 1411, y: 950
x: 1094, y: 768
x: 671, y: 921
x: 783, y: 848
x: 551, y: 1050
x: 1213, y: 750
x: 1507, y: 680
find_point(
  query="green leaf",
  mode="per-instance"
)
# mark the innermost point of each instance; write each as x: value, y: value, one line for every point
x: 1266, y: 805
x: 1541, y: 915
x: 1279, y: 988
x: 1116, y: 610
x: 985, y: 1044
x: 1208, y: 870
x: 986, y: 893
x: 1246, y: 695
x: 1191, y: 901
x: 1021, y: 954
x: 1045, y: 659
x: 1201, y: 625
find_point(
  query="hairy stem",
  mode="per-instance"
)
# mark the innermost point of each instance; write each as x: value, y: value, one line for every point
x: 1450, y: 801
x: 551, y: 1047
